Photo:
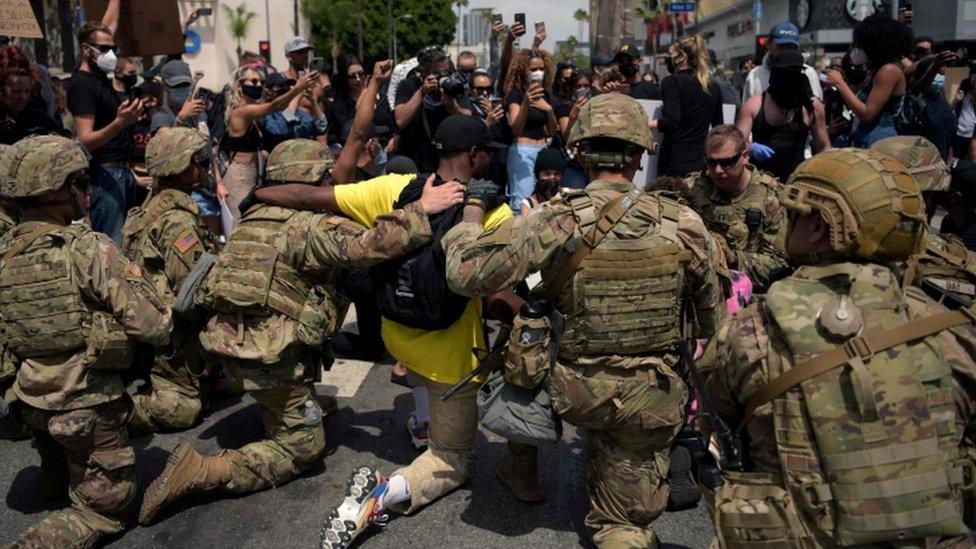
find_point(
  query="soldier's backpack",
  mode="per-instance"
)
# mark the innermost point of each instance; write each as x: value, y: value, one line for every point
x: 864, y: 420
x: 412, y: 289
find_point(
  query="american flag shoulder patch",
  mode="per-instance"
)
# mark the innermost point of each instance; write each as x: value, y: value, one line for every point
x: 186, y: 241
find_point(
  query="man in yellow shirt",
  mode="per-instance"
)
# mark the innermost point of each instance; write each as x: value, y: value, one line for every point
x: 435, y: 359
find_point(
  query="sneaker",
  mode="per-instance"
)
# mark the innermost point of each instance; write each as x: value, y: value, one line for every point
x: 418, y: 431
x: 360, y: 508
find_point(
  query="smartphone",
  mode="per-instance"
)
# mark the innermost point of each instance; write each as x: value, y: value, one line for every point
x: 135, y: 93
x: 520, y: 19
x: 540, y: 27
x: 204, y: 12
x: 496, y: 18
x: 315, y: 65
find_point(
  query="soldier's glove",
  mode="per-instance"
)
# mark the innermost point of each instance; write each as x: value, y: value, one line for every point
x: 249, y: 201
x: 484, y: 193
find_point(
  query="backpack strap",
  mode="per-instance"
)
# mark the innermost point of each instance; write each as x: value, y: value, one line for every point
x: 23, y: 242
x: 611, y: 214
x: 856, y: 349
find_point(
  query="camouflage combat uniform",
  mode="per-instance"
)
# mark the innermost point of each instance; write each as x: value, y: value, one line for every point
x: 165, y: 238
x: 274, y: 291
x: 755, y: 246
x: 873, y: 451
x: 614, y: 375
x: 94, y: 302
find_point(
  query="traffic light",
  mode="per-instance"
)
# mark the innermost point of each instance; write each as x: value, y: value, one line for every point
x: 264, y: 49
x: 762, y: 44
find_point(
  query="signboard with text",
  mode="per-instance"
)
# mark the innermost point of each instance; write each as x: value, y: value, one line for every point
x: 17, y: 19
x: 681, y: 7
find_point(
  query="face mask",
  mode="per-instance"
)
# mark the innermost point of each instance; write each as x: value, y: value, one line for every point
x: 938, y: 83
x: 536, y: 76
x: 107, y: 61
x: 858, y: 57
x: 855, y: 76
x: 788, y: 88
x: 669, y: 63
x: 178, y: 96
x: 253, y: 92
x: 128, y: 80
x: 629, y: 69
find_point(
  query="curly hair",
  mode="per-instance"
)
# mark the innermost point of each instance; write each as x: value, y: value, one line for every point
x: 14, y: 62
x: 518, y: 72
x: 883, y: 39
x: 235, y: 97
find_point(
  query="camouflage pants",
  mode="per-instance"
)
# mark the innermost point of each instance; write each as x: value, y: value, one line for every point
x: 174, y: 402
x: 94, y: 444
x: 444, y: 465
x: 631, y: 418
x: 291, y: 445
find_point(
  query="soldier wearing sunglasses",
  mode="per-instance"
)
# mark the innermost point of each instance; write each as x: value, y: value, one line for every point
x: 741, y: 204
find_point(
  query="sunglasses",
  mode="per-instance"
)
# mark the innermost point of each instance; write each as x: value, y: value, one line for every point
x: 724, y: 162
x: 356, y: 75
x: 253, y: 81
x: 482, y: 90
x: 105, y: 48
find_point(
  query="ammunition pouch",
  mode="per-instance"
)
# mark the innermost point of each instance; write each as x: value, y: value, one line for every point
x: 108, y: 346
x: 754, y: 509
x: 528, y: 358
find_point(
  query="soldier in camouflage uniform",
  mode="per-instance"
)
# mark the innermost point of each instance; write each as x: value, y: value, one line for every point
x: 165, y: 238
x: 944, y: 267
x: 273, y: 289
x: 72, y: 305
x: 11, y: 426
x: 739, y: 203
x: 614, y: 375
x: 854, y: 395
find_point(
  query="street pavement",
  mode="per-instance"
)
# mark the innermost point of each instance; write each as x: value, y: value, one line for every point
x: 369, y: 429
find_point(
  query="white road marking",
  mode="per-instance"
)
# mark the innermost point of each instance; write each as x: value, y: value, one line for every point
x: 346, y: 376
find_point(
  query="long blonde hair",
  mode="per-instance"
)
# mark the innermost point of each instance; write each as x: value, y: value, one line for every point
x: 697, y: 53
x: 234, y: 96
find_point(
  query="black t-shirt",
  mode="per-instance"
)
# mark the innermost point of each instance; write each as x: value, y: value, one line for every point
x: 416, y: 138
x: 91, y: 93
x: 140, y: 138
x: 537, y: 119
x: 645, y: 90
x: 30, y: 121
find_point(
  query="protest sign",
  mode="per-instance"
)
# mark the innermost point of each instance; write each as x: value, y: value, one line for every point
x: 17, y: 19
x: 145, y: 28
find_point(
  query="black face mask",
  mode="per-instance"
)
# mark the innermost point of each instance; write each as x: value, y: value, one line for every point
x: 629, y: 69
x: 129, y: 80
x: 669, y: 63
x: 855, y: 76
x: 253, y: 92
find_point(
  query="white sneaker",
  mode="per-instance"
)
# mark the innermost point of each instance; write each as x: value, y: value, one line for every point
x: 360, y: 508
x: 418, y: 431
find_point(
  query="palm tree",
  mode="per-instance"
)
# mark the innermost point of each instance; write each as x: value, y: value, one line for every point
x: 460, y: 4
x: 581, y: 16
x: 239, y: 22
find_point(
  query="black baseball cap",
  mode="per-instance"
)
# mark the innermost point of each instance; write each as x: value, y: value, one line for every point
x: 629, y: 49
x: 461, y: 132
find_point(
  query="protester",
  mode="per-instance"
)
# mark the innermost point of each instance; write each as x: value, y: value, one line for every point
x: 532, y: 118
x: 628, y: 61
x: 125, y: 77
x: 965, y: 111
x: 104, y: 123
x: 19, y: 115
x: 466, y: 64
x: 692, y: 102
x: 548, y: 171
x: 294, y: 122
x: 347, y: 84
x: 935, y: 121
x: 783, y: 36
x: 298, y: 52
x: 879, y: 42
x: 839, y: 117
x: 246, y: 104
x: 783, y: 118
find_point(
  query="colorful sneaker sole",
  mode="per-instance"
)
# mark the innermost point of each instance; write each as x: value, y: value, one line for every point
x: 350, y: 519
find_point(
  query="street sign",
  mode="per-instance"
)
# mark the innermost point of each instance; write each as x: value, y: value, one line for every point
x: 681, y: 7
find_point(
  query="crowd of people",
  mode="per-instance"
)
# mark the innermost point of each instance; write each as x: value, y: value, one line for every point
x: 162, y: 244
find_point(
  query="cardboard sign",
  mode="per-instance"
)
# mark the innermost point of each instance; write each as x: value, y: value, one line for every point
x: 145, y: 28
x: 17, y: 19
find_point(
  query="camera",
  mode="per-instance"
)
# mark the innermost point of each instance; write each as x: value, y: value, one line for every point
x: 451, y: 86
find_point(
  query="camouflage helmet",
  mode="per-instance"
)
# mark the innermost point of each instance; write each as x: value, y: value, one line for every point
x: 38, y: 165
x: 871, y: 202
x: 170, y: 152
x: 921, y: 158
x: 612, y: 115
x: 299, y: 160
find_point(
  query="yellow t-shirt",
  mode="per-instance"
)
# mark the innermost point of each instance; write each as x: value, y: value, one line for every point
x: 445, y: 355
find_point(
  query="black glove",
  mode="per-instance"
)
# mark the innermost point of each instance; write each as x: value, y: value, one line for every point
x: 483, y: 193
x: 250, y: 200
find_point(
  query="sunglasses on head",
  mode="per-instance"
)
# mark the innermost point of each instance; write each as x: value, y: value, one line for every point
x: 105, y: 48
x: 724, y: 162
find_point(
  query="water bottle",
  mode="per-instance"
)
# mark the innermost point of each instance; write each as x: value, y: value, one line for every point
x: 312, y: 414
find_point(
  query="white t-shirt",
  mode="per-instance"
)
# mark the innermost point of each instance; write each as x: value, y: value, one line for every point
x: 758, y: 80
x: 966, y: 122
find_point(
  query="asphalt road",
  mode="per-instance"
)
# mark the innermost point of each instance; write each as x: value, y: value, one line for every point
x: 367, y: 429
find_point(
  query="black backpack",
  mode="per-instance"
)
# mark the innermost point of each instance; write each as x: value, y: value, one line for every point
x: 412, y: 289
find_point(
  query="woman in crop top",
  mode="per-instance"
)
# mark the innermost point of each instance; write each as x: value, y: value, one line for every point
x: 246, y: 104
x: 531, y: 116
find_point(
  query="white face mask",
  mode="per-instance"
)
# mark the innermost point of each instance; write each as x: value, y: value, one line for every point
x: 858, y: 57
x: 536, y: 76
x: 107, y: 61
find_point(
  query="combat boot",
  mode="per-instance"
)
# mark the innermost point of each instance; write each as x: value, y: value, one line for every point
x: 186, y: 472
x: 519, y: 471
x: 53, y: 474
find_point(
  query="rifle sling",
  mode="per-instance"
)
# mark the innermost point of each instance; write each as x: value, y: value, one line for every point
x: 611, y: 214
x: 861, y: 347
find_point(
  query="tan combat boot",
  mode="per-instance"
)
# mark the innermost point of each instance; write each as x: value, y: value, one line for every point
x: 186, y: 472
x: 519, y: 471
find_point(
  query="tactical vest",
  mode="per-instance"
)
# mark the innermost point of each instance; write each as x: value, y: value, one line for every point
x: 44, y: 312
x: 943, y: 265
x: 625, y: 298
x: 740, y: 221
x: 5, y: 224
x: 254, y: 275
x: 869, y: 453
x: 143, y: 250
